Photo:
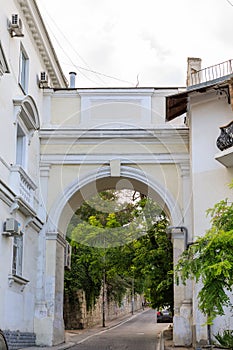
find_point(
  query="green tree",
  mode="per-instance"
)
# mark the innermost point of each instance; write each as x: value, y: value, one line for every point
x: 129, y: 244
x: 210, y: 260
x: 85, y: 274
x: 154, y: 260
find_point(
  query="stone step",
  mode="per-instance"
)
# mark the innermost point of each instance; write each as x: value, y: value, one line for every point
x: 17, y: 340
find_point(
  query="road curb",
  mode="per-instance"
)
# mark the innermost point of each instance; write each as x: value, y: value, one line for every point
x: 160, y: 341
x: 70, y: 344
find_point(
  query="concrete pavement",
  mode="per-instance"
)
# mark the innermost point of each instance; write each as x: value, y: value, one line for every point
x: 73, y: 337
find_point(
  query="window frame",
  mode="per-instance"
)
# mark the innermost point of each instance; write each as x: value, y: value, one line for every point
x: 3, y: 63
x: 23, y: 69
x: 21, y: 147
x: 17, y: 256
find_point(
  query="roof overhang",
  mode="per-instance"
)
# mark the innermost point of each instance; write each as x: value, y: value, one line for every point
x: 177, y: 104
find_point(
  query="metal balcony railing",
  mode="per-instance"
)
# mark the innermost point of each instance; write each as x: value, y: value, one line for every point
x: 225, y: 140
x: 212, y: 73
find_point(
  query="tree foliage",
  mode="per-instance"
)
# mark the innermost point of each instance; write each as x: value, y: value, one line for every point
x: 210, y: 261
x: 128, y: 242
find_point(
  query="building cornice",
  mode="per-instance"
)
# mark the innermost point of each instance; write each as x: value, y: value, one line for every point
x: 42, y: 40
x: 125, y: 159
x: 171, y: 135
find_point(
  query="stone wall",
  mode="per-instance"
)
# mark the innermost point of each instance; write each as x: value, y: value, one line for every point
x: 76, y: 315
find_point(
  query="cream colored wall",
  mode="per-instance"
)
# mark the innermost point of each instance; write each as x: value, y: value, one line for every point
x: 65, y: 111
x: 168, y: 176
x: 141, y: 107
x: 110, y: 148
x: 90, y: 129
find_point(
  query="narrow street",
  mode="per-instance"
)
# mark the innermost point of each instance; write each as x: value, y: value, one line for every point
x: 137, y: 333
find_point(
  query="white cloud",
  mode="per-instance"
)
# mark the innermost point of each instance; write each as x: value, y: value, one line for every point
x: 124, y: 38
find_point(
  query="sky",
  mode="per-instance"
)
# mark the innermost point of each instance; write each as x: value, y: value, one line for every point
x: 146, y: 43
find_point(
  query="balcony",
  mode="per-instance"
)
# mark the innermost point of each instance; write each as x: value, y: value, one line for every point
x: 212, y: 74
x: 225, y: 145
x: 24, y: 189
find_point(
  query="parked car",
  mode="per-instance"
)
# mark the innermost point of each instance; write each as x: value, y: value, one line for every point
x: 164, y: 316
x: 3, y: 342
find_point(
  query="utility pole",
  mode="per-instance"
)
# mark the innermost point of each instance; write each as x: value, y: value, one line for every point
x: 133, y: 295
x: 104, y: 285
x: 103, y: 299
x: 132, y: 300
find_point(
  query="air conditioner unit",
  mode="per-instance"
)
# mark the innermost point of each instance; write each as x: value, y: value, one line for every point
x: 15, y: 26
x: 67, y: 256
x: 43, y: 80
x: 11, y: 227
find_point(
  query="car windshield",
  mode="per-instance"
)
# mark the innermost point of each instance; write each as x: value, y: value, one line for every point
x: 165, y: 312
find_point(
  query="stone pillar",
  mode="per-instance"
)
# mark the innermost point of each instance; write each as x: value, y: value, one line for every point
x: 182, y: 321
x: 181, y: 237
x: 49, y: 325
x: 41, y: 304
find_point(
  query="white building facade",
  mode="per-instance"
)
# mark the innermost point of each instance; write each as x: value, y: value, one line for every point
x: 208, y: 106
x: 25, y: 53
x: 60, y: 146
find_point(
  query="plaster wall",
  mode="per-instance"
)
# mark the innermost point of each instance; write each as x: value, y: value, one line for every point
x: 167, y: 175
x: 65, y: 109
x: 10, y: 90
x: 98, y: 108
x: 114, y: 135
x: 210, y: 180
x: 18, y: 296
x: 208, y: 175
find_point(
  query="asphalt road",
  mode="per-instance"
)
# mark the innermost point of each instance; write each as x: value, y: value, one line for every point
x: 138, y: 333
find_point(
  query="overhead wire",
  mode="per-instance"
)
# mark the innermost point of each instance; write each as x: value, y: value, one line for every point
x: 229, y: 2
x: 78, y: 67
x: 104, y: 75
x: 60, y: 46
x: 72, y: 63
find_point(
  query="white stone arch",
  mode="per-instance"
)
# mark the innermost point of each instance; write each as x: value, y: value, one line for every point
x: 27, y: 111
x: 96, y: 181
x: 59, y: 217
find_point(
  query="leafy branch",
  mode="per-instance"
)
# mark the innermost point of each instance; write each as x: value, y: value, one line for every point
x: 210, y: 261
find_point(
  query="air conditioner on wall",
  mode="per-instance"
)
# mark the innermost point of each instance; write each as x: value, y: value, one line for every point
x: 11, y: 227
x: 43, y: 80
x: 15, y: 26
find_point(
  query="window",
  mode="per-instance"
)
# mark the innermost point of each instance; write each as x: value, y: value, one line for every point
x: 23, y: 70
x: 20, y: 147
x: 17, y: 256
x: 3, y: 62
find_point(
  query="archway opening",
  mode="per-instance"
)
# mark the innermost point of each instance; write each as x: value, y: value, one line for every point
x: 122, y: 258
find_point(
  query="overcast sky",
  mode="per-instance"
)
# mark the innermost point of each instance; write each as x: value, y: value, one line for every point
x: 146, y: 41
